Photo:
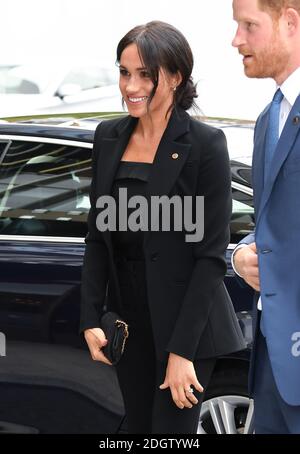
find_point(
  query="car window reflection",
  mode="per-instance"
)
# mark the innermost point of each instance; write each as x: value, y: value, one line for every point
x: 43, y: 187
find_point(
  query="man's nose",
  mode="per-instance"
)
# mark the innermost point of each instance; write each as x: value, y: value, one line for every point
x: 238, y: 39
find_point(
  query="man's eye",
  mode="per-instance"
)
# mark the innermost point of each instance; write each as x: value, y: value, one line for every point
x: 250, y: 25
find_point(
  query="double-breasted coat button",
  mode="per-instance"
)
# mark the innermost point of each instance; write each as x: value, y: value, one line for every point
x: 296, y: 120
x: 175, y: 155
x: 154, y: 257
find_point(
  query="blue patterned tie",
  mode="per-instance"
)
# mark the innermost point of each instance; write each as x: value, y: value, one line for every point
x: 272, y: 135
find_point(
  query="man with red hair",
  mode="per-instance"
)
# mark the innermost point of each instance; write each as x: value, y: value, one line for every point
x: 268, y: 38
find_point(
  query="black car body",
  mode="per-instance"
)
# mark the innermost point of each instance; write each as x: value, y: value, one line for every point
x: 48, y: 382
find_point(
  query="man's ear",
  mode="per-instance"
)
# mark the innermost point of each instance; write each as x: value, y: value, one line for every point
x: 292, y: 18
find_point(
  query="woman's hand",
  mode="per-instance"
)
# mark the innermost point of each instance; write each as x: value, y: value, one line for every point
x: 180, y: 376
x: 95, y: 338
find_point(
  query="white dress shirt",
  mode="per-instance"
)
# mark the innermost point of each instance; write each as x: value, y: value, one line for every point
x: 290, y: 90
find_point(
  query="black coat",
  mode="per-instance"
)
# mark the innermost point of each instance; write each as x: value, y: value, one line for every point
x: 192, y: 314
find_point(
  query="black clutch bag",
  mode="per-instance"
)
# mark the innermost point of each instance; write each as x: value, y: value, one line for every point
x: 116, y: 332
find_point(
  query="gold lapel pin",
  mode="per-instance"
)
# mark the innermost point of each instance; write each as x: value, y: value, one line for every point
x: 175, y: 155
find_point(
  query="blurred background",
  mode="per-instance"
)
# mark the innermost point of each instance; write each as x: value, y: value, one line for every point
x: 59, y: 55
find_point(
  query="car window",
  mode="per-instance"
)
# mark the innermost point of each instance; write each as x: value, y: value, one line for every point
x: 240, y: 142
x: 26, y: 79
x: 44, y: 192
x: 242, y: 220
x: 3, y: 146
x: 13, y: 84
x: 89, y: 77
x: 44, y: 189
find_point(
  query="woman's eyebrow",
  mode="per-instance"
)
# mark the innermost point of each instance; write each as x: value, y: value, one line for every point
x: 137, y: 69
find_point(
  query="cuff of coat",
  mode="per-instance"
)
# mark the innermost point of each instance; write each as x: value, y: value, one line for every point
x: 88, y: 325
x: 240, y: 246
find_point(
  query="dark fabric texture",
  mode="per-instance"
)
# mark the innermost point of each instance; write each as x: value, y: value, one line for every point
x: 191, y: 312
x: 132, y: 176
x: 149, y: 409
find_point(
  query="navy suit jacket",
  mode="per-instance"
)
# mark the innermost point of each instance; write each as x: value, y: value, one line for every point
x: 277, y: 237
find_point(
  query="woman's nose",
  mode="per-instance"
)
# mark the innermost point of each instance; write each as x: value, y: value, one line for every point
x: 133, y: 85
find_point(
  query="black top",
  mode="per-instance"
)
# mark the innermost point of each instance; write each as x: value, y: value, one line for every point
x: 191, y: 313
x: 134, y: 177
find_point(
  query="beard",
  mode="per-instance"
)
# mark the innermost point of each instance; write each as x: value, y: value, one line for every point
x: 270, y: 61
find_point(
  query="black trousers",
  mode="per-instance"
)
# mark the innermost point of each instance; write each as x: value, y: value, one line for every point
x: 150, y: 410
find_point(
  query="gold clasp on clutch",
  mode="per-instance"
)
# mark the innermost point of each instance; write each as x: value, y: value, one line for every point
x: 120, y: 323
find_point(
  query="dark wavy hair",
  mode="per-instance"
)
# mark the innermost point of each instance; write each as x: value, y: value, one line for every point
x: 160, y: 45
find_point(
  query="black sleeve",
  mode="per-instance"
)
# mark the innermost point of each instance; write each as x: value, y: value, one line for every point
x: 214, y: 183
x: 95, y: 264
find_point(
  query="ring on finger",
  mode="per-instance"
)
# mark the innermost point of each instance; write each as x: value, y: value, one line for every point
x: 190, y: 390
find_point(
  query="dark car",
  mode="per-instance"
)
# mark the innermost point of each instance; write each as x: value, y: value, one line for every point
x: 48, y: 382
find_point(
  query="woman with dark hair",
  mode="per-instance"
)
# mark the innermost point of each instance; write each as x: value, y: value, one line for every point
x: 167, y: 285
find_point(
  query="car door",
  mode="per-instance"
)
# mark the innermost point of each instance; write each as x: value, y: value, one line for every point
x: 242, y: 223
x: 44, y: 186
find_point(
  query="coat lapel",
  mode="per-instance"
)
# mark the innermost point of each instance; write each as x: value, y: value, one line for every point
x: 258, y: 158
x: 112, y: 152
x: 166, y: 166
x: 112, y: 149
x: 284, y: 146
x: 170, y: 157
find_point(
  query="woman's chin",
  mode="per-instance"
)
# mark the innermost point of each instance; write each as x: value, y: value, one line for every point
x: 137, y: 113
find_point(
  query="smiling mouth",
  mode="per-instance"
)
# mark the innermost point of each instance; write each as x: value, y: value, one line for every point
x: 137, y: 100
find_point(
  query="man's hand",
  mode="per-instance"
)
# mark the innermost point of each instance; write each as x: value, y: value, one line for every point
x: 180, y: 376
x: 246, y: 264
x: 95, y: 338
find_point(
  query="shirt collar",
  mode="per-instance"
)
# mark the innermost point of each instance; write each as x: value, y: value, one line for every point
x: 291, y: 87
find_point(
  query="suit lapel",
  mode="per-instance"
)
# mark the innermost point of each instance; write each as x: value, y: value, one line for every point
x: 112, y: 149
x: 166, y: 166
x: 284, y: 146
x: 112, y: 152
x: 258, y: 158
x: 170, y: 157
